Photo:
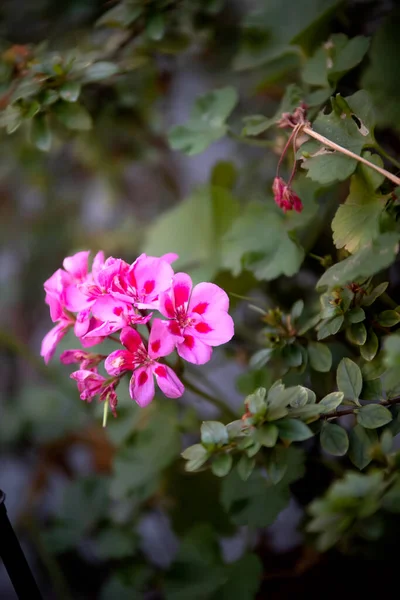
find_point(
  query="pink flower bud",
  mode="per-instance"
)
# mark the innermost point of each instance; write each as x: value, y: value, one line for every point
x: 285, y: 197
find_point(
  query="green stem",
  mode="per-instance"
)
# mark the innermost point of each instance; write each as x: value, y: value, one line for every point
x: 382, y: 151
x: 215, y: 401
x: 351, y: 411
x: 251, y: 141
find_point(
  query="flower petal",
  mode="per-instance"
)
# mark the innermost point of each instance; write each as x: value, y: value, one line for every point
x: 168, y: 381
x: 118, y: 362
x: 194, y: 350
x: 152, y: 276
x: 170, y: 257
x: 166, y: 306
x: 182, y: 286
x: 161, y: 342
x: 77, y: 265
x: 141, y: 386
x: 131, y: 339
x: 217, y: 329
x: 207, y: 298
x: 52, y: 338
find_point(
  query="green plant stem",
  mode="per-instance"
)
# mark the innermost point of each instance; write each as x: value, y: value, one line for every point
x: 215, y: 401
x: 351, y: 411
x: 388, y: 157
x: 388, y: 300
x: 251, y: 141
x: 326, y: 142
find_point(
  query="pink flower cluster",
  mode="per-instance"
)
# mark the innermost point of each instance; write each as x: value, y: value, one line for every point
x: 115, y: 296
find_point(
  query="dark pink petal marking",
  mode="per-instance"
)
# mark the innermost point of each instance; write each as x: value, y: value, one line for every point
x: 174, y: 328
x: 203, y: 327
x: 200, y: 308
x: 149, y: 286
x: 161, y: 371
x: 181, y: 293
x: 189, y: 341
x: 155, y: 346
x: 143, y: 377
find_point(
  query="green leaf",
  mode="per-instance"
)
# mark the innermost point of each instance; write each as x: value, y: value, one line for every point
x: 372, y: 416
x: 378, y: 77
x: 292, y: 355
x: 256, y: 124
x: 293, y: 430
x: 330, y: 327
x: 245, y: 467
x: 372, y: 390
x: 372, y: 178
x: 328, y: 167
x: 361, y: 443
x: 370, y: 259
x: 392, y: 351
x: 70, y: 91
x: 224, y: 175
x: 349, y: 379
x: 138, y: 465
x: 373, y: 369
x: 73, y: 116
x: 388, y: 318
x: 256, y: 502
x: 196, y: 456
x: 200, y: 248
x: 267, y: 435
x: 206, y: 123
x: 268, y: 33
x: 155, y: 27
x: 356, y: 222
x: 355, y: 315
x: 259, y: 243
x: 376, y: 292
x: 320, y: 357
x: 243, y: 579
x: 40, y: 133
x: 297, y: 310
x: 331, y: 401
x: 335, y: 58
x: 100, y: 70
x: 260, y: 358
x: 114, y: 544
x: 334, y: 439
x: 11, y: 118
x: 256, y: 402
x: 199, y: 553
x: 370, y: 348
x: 221, y: 465
x: 357, y: 334
x: 213, y: 432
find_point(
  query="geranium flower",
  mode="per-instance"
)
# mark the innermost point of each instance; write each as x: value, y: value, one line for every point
x: 143, y: 362
x: 198, y: 317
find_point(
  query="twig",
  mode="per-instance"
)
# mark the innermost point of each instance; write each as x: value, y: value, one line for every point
x: 350, y: 411
x: 326, y: 142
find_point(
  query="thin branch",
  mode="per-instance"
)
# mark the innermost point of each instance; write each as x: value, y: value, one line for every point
x: 351, y: 411
x: 326, y: 142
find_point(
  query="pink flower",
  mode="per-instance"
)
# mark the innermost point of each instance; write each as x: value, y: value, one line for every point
x: 144, y: 365
x: 90, y: 383
x: 143, y: 282
x: 86, y: 360
x: 54, y: 336
x: 285, y: 197
x: 198, y: 317
x: 112, y: 315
